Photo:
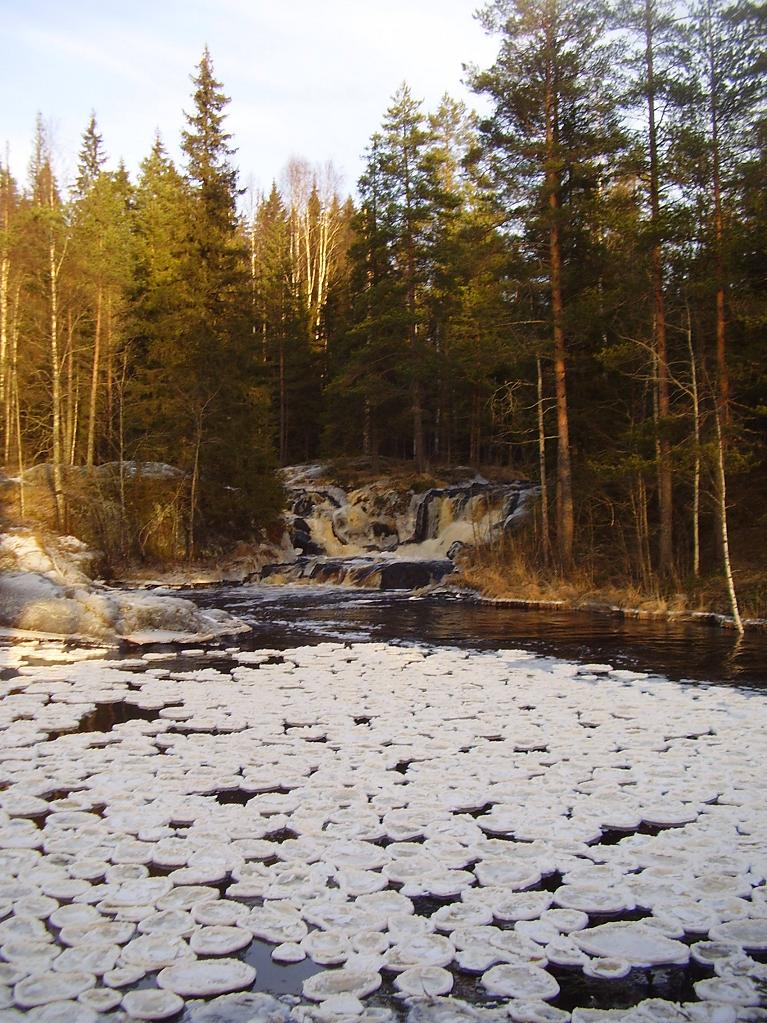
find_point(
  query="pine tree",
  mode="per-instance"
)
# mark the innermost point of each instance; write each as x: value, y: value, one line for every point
x: 552, y: 125
x: 657, y: 48
x: 727, y: 54
x: 410, y: 189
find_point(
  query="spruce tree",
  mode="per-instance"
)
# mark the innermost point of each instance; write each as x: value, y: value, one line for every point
x: 230, y: 449
x: 103, y: 251
x: 160, y: 309
x: 91, y: 159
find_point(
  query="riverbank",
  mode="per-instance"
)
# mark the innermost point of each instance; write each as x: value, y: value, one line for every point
x: 505, y: 574
x: 638, y: 614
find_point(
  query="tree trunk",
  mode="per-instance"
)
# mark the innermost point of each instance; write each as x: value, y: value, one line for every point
x: 14, y: 400
x: 121, y: 453
x: 90, y: 445
x: 69, y: 400
x: 283, y: 408
x: 419, y: 451
x: 697, y: 454
x: 722, y: 501
x: 12, y: 393
x: 665, y: 470
x: 110, y: 370
x: 545, y: 534
x: 5, y: 273
x: 565, y: 516
x: 19, y: 450
x: 194, y: 488
x: 475, y: 435
x: 54, y: 267
x: 722, y: 371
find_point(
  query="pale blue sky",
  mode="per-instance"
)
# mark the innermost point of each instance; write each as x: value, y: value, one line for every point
x: 310, y: 78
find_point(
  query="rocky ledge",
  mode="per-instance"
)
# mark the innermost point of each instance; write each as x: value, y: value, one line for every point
x: 46, y: 587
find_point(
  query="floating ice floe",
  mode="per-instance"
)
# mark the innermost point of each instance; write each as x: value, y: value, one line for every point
x: 247, y: 1007
x: 202, y: 978
x: 423, y: 950
x: 219, y: 939
x: 51, y: 987
x: 100, y: 999
x: 344, y: 981
x: 510, y: 981
x: 631, y: 941
x: 424, y: 981
x: 152, y: 1004
x: 358, y: 771
x: 749, y: 934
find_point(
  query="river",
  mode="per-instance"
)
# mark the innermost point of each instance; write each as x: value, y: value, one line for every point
x: 515, y: 807
x: 285, y: 616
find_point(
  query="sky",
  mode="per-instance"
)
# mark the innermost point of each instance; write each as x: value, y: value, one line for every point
x: 306, y: 78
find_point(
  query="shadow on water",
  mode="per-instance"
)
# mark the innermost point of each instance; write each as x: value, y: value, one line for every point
x: 106, y: 716
x: 288, y: 616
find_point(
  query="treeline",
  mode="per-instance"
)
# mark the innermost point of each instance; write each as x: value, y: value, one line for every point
x: 573, y: 284
x: 175, y: 319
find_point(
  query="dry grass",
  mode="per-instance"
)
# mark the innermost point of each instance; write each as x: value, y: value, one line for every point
x: 513, y: 569
x: 710, y: 593
x: 509, y: 568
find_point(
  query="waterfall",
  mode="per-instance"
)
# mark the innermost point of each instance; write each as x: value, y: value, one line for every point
x: 385, y: 534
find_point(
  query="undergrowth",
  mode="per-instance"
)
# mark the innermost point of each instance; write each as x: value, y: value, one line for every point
x: 514, y: 567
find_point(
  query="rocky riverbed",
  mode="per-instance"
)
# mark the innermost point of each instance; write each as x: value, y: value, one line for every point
x: 373, y: 832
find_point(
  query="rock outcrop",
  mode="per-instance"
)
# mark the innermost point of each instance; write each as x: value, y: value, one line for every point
x: 45, y: 586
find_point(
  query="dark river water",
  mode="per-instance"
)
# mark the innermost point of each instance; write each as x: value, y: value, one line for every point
x: 286, y: 616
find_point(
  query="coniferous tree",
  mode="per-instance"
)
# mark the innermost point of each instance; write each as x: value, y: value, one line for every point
x: 91, y: 159
x: 228, y: 448
x: 103, y: 251
x: 552, y: 126
x: 658, y: 51
x: 726, y: 54
x: 410, y: 191
x: 281, y: 331
x: 11, y: 235
x: 49, y: 238
x: 370, y: 352
x: 161, y: 298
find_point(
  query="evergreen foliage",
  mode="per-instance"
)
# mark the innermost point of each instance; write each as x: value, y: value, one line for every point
x: 572, y: 286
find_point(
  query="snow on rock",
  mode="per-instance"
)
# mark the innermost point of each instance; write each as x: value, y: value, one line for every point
x: 44, y: 588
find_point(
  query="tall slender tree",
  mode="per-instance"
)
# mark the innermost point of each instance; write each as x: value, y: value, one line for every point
x: 656, y: 44
x: 553, y: 123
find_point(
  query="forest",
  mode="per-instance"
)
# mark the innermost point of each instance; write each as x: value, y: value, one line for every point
x: 570, y: 287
